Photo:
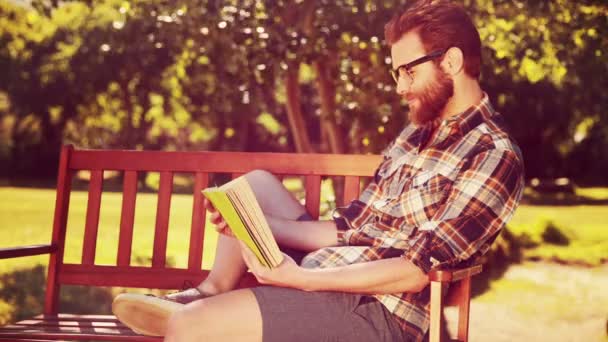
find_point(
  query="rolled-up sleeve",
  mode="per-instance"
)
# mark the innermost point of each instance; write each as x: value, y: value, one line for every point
x: 482, y: 199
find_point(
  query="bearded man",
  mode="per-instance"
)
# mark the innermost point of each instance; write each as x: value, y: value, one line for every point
x: 443, y: 192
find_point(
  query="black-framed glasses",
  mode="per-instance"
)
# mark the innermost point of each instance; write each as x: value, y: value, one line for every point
x: 405, y: 70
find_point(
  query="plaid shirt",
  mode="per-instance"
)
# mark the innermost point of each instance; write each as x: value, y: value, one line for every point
x: 441, y: 206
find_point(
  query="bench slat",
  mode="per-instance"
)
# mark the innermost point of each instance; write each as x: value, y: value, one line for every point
x: 72, y: 327
x: 226, y: 162
x: 197, y: 236
x: 15, y: 252
x: 77, y: 318
x: 92, y: 221
x: 78, y: 324
x: 88, y: 329
x: 313, y: 195
x: 143, y: 277
x: 159, y: 255
x: 34, y: 336
x: 351, y: 189
x: 127, y: 215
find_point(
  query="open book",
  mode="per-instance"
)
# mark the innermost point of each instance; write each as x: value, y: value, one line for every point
x: 238, y: 206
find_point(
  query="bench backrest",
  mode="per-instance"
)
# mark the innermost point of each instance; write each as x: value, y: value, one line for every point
x: 200, y: 164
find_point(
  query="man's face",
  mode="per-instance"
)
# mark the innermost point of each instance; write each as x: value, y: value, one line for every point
x: 430, y: 88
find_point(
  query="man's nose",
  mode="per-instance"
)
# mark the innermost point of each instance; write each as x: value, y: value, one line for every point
x: 402, y: 86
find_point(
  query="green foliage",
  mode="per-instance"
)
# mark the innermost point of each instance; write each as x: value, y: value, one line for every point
x: 203, y: 74
x: 23, y: 291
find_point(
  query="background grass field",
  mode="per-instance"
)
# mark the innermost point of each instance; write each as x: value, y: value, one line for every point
x: 26, y: 217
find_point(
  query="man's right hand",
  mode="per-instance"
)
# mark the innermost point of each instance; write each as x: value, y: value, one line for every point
x: 220, y: 225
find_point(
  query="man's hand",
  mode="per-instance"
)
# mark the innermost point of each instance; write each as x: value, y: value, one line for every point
x: 287, y: 274
x: 220, y: 225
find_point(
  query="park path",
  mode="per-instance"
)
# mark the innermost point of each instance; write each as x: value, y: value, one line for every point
x: 542, y: 302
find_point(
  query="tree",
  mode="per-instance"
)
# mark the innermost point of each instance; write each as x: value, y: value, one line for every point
x: 309, y: 76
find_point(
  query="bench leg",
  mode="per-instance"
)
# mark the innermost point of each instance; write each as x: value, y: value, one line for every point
x: 464, y: 302
x: 436, y: 311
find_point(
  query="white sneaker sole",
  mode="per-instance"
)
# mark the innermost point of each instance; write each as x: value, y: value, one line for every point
x: 145, y: 315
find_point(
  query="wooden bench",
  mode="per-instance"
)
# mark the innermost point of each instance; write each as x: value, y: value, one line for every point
x: 53, y: 325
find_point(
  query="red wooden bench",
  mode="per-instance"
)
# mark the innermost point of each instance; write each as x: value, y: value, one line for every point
x: 53, y: 325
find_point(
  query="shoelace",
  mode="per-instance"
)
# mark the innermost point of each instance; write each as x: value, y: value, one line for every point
x: 187, y: 284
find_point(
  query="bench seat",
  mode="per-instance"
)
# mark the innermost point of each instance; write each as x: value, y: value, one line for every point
x: 72, y: 327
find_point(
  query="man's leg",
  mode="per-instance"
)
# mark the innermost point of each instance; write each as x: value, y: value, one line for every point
x: 232, y: 316
x: 276, y: 314
x: 275, y: 200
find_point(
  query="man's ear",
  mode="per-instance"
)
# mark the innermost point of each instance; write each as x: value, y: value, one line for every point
x: 453, y: 61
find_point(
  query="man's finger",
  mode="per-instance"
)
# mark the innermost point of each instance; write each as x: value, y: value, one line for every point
x: 215, y: 217
x: 209, y: 206
x: 226, y: 231
x: 220, y: 226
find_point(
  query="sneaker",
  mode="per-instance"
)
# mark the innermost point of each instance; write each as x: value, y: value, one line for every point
x: 146, y: 315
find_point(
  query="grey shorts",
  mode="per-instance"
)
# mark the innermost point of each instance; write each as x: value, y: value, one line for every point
x: 295, y: 315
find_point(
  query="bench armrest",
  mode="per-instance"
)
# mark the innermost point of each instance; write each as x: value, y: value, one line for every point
x: 15, y: 252
x: 448, y: 276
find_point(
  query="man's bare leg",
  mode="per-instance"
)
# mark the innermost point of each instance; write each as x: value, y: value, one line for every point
x: 232, y: 316
x: 275, y: 200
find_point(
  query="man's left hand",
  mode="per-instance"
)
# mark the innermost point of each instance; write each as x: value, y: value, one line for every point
x: 286, y: 274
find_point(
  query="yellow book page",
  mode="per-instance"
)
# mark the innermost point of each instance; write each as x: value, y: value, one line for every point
x: 266, y: 242
x: 222, y: 203
x: 242, y: 196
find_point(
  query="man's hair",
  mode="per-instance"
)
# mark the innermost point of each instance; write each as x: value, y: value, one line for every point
x: 441, y: 24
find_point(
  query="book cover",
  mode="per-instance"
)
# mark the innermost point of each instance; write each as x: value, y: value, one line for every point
x: 237, y: 204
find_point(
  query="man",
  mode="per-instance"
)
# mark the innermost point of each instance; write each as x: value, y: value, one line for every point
x: 443, y: 192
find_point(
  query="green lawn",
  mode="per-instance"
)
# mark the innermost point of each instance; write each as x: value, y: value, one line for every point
x: 584, y: 226
x: 26, y: 218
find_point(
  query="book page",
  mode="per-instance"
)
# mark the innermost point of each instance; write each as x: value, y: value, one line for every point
x: 244, y: 198
x: 222, y: 203
x: 253, y: 223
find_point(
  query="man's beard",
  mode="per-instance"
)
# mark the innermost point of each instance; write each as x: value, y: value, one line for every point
x: 432, y: 99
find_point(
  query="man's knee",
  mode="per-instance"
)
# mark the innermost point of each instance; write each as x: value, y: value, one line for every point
x: 260, y: 175
x: 261, y: 179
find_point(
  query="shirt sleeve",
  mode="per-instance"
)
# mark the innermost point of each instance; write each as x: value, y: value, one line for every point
x: 356, y: 213
x: 479, y: 203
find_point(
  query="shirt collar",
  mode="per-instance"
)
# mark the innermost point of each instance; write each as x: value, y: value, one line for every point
x: 472, y: 116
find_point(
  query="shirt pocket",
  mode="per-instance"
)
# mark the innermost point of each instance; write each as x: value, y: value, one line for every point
x: 422, y: 178
x: 424, y: 196
x: 430, y: 181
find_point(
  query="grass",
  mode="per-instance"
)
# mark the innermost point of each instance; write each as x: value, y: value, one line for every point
x: 584, y: 227
x: 26, y: 217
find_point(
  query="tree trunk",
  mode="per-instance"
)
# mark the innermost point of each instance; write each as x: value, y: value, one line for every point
x: 327, y: 95
x: 331, y: 134
x: 294, y: 111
